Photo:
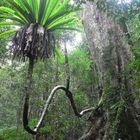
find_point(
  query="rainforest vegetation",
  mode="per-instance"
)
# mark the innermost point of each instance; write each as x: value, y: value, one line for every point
x: 69, y: 69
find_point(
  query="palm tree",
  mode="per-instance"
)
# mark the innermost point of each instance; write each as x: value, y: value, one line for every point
x: 37, y: 19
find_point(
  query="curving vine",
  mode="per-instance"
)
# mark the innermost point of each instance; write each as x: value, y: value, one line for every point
x: 48, y: 102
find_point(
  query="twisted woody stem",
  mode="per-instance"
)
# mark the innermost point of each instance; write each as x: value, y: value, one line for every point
x: 48, y: 102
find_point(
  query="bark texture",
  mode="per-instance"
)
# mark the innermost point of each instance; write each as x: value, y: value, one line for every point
x: 111, y: 52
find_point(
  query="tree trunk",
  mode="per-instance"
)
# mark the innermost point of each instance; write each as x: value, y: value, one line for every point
x: 27, y: 95
x: 111, y: 52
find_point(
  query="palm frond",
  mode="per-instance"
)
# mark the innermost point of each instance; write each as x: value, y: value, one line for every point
x: 43, y: 12
x: 62, y: 14
x: 62, y: 22
x: 42, y: 6
x: 7, y: 33
x: 20, y: 11
x: 13, y: 18
x: 51, y: 5
x: 2, y: 24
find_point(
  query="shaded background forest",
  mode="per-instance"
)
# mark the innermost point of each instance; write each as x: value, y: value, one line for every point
x: 60, y: 122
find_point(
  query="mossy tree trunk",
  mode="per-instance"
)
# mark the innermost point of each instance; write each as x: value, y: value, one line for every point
x: 111, y: 52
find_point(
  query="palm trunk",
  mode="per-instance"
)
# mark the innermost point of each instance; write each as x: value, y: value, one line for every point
x: 27, y: 95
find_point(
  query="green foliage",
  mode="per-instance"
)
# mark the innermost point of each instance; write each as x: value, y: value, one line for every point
x: 13, y: 133
x: 52, y: 14
x: 10, y: 87
x: 33, y: 122
x: 134, y: 31
x: 79, y: 59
